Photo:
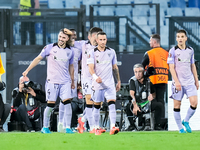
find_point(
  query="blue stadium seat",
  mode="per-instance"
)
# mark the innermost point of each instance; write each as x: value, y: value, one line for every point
x: 151, y: 20
x: 194, y: 3
x: 192, y: 11
x: 123, y: 1
x: 55, y: 4
x: 175, y: 11
x: 123, y: 11
x: 140, y: 20
x: 178, y: 3
x: 147, y: 29
x: 108, y: 1
x: 163, y: 4
x: 140, y: 10
x: 72, y: 4
x: 164, y: 35
x: 106, y: 11
x: 141, y: 1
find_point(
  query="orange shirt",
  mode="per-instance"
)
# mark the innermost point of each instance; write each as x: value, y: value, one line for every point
x: 158, y: 60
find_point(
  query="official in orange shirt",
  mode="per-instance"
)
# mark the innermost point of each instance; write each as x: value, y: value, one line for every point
x: 157, y: 58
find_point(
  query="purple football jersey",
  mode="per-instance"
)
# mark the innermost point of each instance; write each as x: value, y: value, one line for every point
x: 103, y: 63
x: 58, y: 61
x: 77, y: 57
x: 182, y: 60
x: 86, y: 47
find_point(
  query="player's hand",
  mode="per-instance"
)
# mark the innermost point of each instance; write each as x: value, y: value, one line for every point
x: 135, y: 109
x: 25, y: 73
x: 150, y: 97
x: 31, y: 91
x: 178, y: 86
x: 99, y: 80
x: 72, y: 85
x: 118, y: 86
x: 197, y: 84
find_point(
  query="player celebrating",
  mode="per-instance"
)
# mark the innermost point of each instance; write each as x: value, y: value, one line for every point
x: 60, y: 76
x: 86, y: 79
x: 185, y: 80
x: 102, y: 64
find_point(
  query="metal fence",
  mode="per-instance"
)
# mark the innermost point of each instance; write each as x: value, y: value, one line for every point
x: 132, y: 26
x: 192, y: 26
x: 29, y: 34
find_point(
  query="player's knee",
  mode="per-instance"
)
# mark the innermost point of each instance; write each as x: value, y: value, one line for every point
x: 111, y: 102
x: 66, y: 102
x: 177, y: 109
x: 193, y: 107
x: 89, y: 105
x: 51, y: 105
x: 97, y: 106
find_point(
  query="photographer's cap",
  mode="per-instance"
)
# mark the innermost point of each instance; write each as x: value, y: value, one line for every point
x: 23, y: 79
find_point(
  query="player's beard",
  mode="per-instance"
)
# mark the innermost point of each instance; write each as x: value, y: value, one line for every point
x: 61, y: 43
x: 102, y: 46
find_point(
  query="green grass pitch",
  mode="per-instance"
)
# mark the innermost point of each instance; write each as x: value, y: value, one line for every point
x: 143, y: 140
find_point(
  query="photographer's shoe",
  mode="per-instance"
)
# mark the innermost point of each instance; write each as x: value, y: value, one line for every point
x: 45, y: 130
x: 130, y: 128
x: 187, y: 127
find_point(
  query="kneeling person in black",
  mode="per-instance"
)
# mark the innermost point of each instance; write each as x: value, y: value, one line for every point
x: 26, y: 103
x: 138, y: 86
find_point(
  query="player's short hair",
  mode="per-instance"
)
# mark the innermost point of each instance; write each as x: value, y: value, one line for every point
x: 72, y: 29
x: 182, y: 31
x: 138, y: 66
x: 66, y: 31
x: 94, y: 30
x: 101, y: 33
x: 156, y: 37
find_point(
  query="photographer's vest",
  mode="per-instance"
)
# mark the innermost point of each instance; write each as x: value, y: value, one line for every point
x: 158, y: 60
x: 141, y: 92
x: 26, y: 5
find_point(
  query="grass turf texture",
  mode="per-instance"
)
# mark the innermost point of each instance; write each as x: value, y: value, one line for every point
x: 144, y: 140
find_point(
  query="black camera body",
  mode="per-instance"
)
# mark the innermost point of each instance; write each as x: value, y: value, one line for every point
x: 28, y: 84
x: 2, y: 85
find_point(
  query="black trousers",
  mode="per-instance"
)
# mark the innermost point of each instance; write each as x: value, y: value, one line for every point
x: 21, y: 115
x: 161, y: 89
x: 75, y: 110
x: 4, y: 115
x: 30, y: 27
x: 155, y: 106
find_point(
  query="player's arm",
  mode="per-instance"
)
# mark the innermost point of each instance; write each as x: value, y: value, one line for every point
x: 135, y: 106
x: 92, y: 72
x: 174, y: 76
x: 71, y: 72
x: 194, y: 71
x: 117, y: 76
x: 145, y: 60
x: 33, y: 64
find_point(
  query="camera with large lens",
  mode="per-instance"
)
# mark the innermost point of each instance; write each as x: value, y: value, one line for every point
x: 28, y: 84
x: 2, y: 85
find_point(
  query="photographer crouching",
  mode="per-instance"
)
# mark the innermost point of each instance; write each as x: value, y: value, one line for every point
x: 26, y: 103
x: 140, y: 103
